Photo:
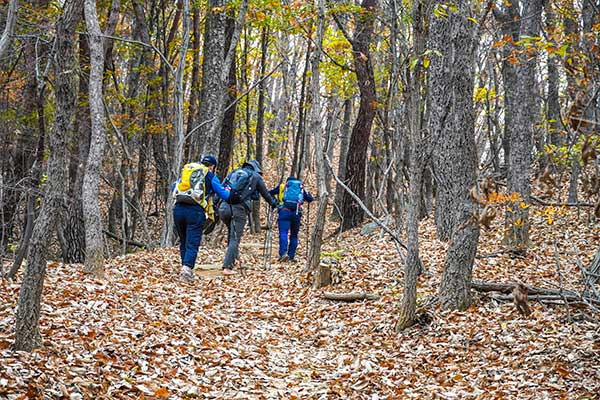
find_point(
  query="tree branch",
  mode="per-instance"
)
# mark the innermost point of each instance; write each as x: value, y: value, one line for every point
x: 365, y: 209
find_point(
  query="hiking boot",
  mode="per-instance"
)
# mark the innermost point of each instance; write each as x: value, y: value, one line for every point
x: 283, y: 258
x: 186, y: 273
x: 228, y: 271
x: 293, y: 260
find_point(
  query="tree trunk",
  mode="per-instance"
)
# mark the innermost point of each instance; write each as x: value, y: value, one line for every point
x: 321, y: 275
x: 300, y: 132
x: 27, y: 333
x: 207, y: 138
x: 260, y: 117
x: 344, y: 143
x: 11, y: 19
x: 94, y: 241
x: 552, y: 96
x: 228, y: 127
x: 509, y: 24
x: 415, y: 100
x: 517, y: 218
x: 361, y: 132
x: 451, y: 77
x: 195, y: 86
x: 73, y: 226
x: 177, y: 159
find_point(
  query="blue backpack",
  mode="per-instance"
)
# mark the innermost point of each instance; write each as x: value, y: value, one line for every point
x: 293, y: 195
x: 239, y: 183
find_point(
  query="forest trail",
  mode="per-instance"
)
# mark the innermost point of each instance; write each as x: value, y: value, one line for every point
x: 142, y: 333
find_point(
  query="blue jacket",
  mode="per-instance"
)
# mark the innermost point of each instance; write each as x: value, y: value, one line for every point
x: 212, y: 185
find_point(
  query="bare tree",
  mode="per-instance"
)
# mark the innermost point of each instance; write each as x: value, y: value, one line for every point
x: 11, y: 19
x: 322, y: 276
x: 519, y: 162
x: 361, y: 132
x: 94, y: 244
x: 416, y: 100
x: 27, y: 333
x: 452, y: 122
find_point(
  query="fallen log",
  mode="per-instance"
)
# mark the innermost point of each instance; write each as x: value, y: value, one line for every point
x: 127, y: 241
x: 353, y: 296
x: 508, y: 287
x: 534, y: 294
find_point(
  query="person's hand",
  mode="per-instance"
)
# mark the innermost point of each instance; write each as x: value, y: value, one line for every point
x: 234, y: 198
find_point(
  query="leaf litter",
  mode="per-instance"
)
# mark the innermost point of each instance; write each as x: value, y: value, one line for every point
x: 143, y: 334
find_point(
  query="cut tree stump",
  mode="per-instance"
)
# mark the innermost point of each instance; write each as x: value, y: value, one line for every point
x: 353, y: 296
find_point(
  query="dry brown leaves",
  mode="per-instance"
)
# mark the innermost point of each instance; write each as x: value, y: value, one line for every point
x: 143, y: 334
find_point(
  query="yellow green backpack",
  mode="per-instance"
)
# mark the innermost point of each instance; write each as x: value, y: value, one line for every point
x: 191, y: 188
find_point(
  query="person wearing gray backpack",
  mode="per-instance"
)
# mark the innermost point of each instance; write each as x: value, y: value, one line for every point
x: 244, y: 185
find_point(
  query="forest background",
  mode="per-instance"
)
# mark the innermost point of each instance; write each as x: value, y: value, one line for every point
x: 455, y: 126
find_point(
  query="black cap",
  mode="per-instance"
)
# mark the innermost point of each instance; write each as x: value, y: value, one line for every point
x: 209, y: 160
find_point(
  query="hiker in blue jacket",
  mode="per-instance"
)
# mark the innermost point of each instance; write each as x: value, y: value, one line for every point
x: 193, y: 206
x: 244, y: 185
x: 291, y: 195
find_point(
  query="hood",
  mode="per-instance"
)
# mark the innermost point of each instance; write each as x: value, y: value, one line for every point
x: 254, y: 165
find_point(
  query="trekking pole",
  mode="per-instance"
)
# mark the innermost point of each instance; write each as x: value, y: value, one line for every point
x: 268, y: 247
x: 307, y: 221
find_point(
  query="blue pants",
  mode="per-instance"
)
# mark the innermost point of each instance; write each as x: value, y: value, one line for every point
x: 189, y: 221
x: 288, y: 221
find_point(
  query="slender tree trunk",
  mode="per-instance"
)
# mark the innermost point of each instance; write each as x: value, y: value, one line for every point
x: 552, y: 96
x: 228, y: 127
x: 509, y: 24
x: 179, y: 127
x: 344, y: 143
x: 517, y: 218
x: 300, y: 132
x: 412, y: 265
x: 11, y: 19
x: 260, y: 117
x: 322, y: 275
x: 94, y: 243
x: 27, y: 333
x: 195, y: 86
x: 73, y: 226
x: 361, y: 132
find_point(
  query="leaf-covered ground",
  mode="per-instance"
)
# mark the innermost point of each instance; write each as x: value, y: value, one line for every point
x: 141, y: 333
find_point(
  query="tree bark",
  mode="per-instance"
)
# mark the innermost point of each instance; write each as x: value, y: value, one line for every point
x: 73, y: 225
x: 509, y: 27
x: 361, y: 132
x: 552, y: 96
x: 207, y: 138
x: 27, y: 333
x: 94, y: 241
x: 260, y: 117
x: 344, y: 143
x: 451, y: 79
x: 452, y: 122
x: 517, y: 217
x: 228, y: 127
x: 179, y: 127
x: 11, y: 19
x: 416, y: 101
x: 321, y: 275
